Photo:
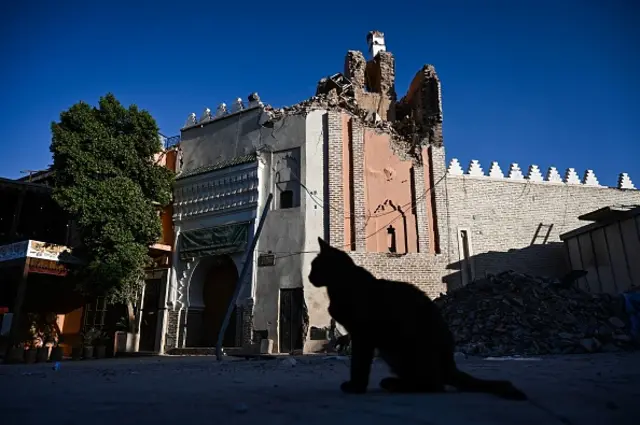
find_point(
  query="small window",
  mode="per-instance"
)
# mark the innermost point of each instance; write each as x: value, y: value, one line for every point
x: 95, y: 313
x: 392, y: 239
x: 286, y: 199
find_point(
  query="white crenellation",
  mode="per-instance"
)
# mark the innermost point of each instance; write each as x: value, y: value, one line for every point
x: 571, y: 177
x: 475, y: 169
x: 553, y: 176
x: 191, y: 120
x: 495, y: 171
x: 222, y: 110
x: 515, y: 173
x: 590, y: 179
x: 454, y: 168
x: 624, y: 181
x: 254, y: 100
x: 206, y: 115
x: 237, y: 105
x: 534, y: 174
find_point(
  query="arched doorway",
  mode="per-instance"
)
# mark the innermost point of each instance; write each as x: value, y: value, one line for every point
x: 217, y: 291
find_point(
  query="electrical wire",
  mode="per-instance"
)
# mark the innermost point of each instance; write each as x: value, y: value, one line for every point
x: 424, y: 194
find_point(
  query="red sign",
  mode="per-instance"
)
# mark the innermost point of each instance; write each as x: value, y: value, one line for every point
x: 4, y: 310
x: 38, y: 265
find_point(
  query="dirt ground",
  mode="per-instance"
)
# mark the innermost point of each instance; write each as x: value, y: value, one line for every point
x: 581, y: 389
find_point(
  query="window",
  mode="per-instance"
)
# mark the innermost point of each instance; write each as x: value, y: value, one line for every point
x: 286, y: 199
x: 392, y: 239
x: 94, y: 313
x: 467, y: 267
x: 286, y: 177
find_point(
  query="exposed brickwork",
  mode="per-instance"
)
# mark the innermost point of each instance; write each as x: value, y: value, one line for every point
x: 334, y: 163
x: 373, y: 82
x: 423, y: 270
x: 381, y: 75
x: 357, y: 153
x: 420, y: 200
x: 423, y: 103
x: 354, y: 68
x: 173, y: 320
x: 438, y: 169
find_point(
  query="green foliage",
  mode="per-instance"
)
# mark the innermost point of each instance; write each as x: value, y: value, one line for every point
x: 106, y: 178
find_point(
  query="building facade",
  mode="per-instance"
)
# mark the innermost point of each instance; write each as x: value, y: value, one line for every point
x: 367, y: 172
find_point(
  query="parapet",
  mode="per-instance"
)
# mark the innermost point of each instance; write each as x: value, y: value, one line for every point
x: 222, y: 111
x: 533, y: 174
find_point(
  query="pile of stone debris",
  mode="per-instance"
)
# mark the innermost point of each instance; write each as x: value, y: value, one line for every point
x: 336, y: 93
x: 333, y: 101
x: 516, y: 314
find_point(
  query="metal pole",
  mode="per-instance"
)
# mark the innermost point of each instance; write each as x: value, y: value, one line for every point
x: 243, y: 273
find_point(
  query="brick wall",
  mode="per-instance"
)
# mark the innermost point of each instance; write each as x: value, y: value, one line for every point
x: 335, y: 209
x: 422, y: 269
x: 357, y: 154
x: 502, y: 216
x: 421, y: 197
x: 499, y: 215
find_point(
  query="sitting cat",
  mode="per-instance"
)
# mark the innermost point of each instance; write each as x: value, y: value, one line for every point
x: 399, y: 320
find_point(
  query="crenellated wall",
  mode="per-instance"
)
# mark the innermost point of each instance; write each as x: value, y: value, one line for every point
x: 534, y: 174
x: 513, y: 218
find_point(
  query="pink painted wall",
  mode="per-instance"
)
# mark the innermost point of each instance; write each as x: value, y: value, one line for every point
x: 387, y: 186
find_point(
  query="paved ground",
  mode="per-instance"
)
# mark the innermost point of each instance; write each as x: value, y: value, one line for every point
x: 583, y: 389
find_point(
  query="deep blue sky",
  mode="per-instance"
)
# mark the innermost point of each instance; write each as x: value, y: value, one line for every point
x: 545, y: 82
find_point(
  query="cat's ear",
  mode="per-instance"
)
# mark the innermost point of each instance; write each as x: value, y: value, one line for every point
x: 323, y: 245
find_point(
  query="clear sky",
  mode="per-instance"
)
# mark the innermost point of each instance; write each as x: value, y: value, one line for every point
x: 544, y: 82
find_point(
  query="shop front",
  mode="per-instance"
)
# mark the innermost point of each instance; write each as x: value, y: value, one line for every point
x: 39, y: 306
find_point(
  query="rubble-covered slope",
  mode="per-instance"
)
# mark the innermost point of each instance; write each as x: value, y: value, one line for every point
x: 512, y: 313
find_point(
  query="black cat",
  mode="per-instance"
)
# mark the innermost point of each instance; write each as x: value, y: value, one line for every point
x: 399, y: 320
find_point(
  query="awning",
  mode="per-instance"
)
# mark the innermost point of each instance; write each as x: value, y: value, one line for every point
x: 217, y: 240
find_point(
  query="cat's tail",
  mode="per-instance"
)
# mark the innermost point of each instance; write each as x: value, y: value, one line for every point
x: 467, y: 383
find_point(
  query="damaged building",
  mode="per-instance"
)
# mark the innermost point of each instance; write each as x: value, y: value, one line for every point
x: 367, y: 172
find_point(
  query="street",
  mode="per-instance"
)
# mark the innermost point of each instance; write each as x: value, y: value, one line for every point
x: 577, y: 389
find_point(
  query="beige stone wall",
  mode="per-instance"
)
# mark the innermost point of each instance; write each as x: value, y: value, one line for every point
x: 502, y: 215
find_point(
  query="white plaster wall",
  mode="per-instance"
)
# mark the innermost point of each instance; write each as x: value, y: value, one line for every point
x: 313, y: 178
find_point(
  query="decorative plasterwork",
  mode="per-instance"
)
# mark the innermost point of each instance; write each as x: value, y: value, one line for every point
x: 217, y: 192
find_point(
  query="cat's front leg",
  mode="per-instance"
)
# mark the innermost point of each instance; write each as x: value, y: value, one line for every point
x: 362, y: 351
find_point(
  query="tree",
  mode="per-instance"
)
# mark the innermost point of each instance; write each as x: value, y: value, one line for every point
x: 106, y: 178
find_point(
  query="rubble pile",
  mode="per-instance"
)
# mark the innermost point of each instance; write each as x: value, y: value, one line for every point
x: 332, y: 101
x: 337, y: 93
x: 513, y: 313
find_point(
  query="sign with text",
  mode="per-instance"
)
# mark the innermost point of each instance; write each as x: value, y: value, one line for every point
x: 39, y: 265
